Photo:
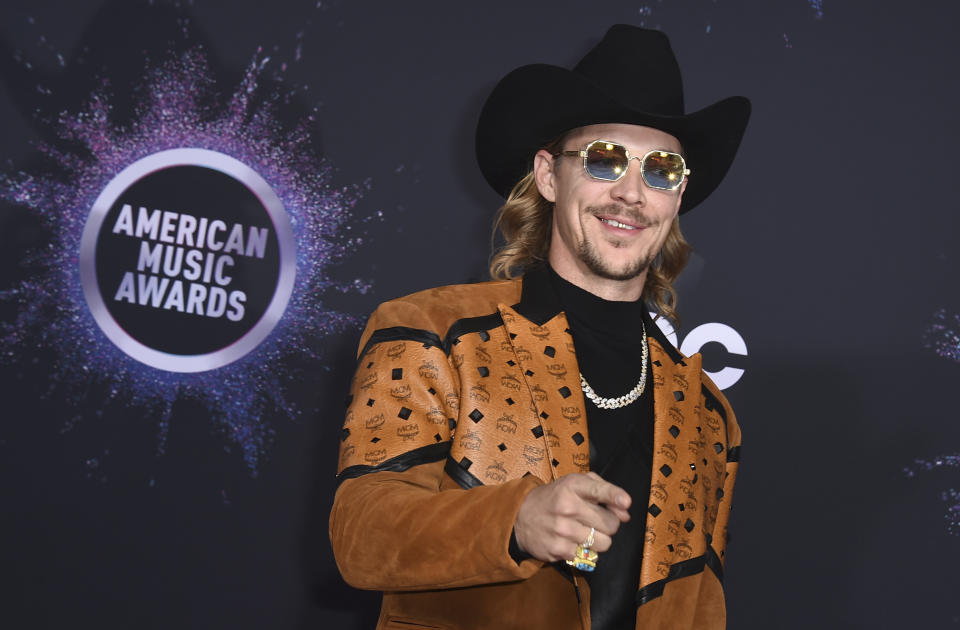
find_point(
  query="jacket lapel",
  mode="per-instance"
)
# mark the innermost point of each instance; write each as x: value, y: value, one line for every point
x: 675, y: 512
x: 548, y: 364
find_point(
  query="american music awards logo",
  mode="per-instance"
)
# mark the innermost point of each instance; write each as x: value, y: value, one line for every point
x: 187, y: 260
x: 190, y: 246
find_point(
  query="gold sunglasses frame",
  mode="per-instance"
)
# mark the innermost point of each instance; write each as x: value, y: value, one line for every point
x: 583, y: 154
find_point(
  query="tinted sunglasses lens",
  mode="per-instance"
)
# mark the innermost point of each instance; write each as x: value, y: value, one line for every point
x: 606, y: 160
x: 663, y: 170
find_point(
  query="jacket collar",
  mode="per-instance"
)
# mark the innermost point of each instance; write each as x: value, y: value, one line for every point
x: 539, y: 303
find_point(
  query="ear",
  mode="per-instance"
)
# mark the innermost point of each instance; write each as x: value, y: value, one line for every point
x: 544, y: 176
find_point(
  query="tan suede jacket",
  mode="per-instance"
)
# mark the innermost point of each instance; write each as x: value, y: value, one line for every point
x: 461, y: 404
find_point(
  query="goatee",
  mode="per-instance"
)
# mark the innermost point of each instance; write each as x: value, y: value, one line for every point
x: 591, y: 258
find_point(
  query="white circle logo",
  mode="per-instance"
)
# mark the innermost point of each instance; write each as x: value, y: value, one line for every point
x: 187, y: 260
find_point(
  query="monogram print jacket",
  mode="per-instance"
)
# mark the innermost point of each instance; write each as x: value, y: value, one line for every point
x: 465, y: 398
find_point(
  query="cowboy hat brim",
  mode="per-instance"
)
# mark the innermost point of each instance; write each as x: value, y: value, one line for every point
x: 537, y: 103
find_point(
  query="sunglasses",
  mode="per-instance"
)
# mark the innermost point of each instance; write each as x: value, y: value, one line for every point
x: 609, y: 161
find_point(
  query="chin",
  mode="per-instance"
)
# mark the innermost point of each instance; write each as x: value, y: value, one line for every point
x: 621, y: 271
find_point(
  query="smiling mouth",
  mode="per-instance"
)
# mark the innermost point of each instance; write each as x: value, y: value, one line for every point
x: 618, y: 224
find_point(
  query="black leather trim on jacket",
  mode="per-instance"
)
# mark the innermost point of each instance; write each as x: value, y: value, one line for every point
x: 402, y: 333
x: 461, y: 327
x: 458, y: 473
x: 711, y: 403
x: 679, y: 570
x: 400, y: 463
x: 733, y: 454
x: 713, y: 561
x: 429, y: 338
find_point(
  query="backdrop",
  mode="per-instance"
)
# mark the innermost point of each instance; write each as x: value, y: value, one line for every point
x: 332, y: 169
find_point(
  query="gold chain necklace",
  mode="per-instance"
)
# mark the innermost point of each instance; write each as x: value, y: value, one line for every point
x: 629, y: 397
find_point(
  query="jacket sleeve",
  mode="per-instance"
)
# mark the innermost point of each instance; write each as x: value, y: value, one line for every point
x: 399, y: 522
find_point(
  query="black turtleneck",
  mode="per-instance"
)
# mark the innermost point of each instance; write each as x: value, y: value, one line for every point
x: 608, y: 337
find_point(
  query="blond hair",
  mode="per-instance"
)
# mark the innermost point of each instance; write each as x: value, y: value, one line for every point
x: 526, y: 220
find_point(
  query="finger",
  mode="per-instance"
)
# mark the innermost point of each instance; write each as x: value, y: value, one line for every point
x: 620, y: 512
x: 601, y: 541
x: 622, y: 515
x: 571, y: 530
x: 594, y: 489
x: 598, y: 517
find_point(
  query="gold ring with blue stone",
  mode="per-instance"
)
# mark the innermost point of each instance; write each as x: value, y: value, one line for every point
x: 584, y: 559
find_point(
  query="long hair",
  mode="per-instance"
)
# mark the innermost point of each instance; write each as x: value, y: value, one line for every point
x: 526, y: 220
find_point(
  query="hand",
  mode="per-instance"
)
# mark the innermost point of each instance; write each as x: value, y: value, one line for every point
x: 556, y: 517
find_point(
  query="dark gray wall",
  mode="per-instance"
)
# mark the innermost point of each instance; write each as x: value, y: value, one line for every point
x: 830, y: 247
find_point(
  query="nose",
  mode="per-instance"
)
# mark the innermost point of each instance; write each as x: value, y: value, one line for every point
x: 631, y: 189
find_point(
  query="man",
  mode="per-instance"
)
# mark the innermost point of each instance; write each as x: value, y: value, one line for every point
x: 531, y: 452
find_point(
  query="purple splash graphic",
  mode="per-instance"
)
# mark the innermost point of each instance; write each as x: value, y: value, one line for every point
x: 817, y: 6
x: 943, y: 337
x: 181, y: 108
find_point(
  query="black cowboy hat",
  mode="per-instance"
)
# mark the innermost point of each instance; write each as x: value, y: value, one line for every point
x: 630, y: 77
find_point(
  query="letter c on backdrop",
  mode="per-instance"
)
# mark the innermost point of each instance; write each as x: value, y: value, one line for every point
x: 703, y: 334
